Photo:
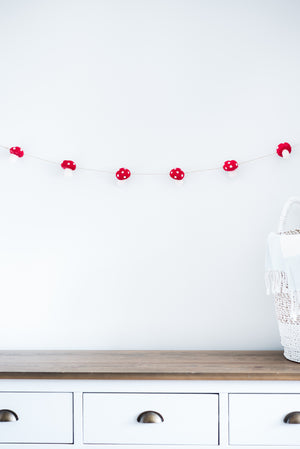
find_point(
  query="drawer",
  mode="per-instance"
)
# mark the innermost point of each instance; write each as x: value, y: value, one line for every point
x: 258, y: 419
x: 42, y: 418
x: 187, y: 418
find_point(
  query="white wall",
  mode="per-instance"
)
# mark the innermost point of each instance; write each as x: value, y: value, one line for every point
x: 146, y: 84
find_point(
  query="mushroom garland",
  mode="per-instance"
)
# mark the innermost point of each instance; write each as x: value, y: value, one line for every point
x: 16, y: 151
x: 283, y: 150
x: 230, y: 166
x: 122, y: 174
x: 177, y: 174
x: 68, y: 165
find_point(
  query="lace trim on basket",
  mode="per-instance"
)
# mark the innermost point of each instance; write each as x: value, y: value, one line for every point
x: 277, y: 284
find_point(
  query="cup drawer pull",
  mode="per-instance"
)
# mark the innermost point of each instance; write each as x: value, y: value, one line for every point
x: 8, y: 416
x: 150, y: 417
x: 292, y: 418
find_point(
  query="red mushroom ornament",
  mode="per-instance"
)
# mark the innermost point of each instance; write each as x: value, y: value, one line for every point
x: 68, y: 166
x: 284, y: 150
x: 16, y: 152
x: 177, y: 174
x: 230, y: 166
x: 122, y: 174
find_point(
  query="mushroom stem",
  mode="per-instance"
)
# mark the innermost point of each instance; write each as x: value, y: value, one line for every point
x: 68, y: 172
x: 178, y: 182
x: 285, y: 154
x: 232, y: 174
x: 120, y: 182
x: 13, y: 158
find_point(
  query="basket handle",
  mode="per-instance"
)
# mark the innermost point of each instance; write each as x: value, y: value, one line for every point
x: 285, y: 210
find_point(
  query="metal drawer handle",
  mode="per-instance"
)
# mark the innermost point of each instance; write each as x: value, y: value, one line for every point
x: 292, y: 418
x: 8, y: 416
x: 150, y: 417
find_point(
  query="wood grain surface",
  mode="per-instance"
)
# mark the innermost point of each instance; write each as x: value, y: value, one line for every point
x: 202, y: 365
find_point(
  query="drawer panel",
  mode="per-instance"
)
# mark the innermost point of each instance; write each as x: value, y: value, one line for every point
x: 42, y: 418
x: 187, y: 418
x: 257, y: 419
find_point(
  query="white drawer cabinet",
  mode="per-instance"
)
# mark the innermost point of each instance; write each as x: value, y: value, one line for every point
x: 117, y: 418
x: 28, y: 417
x: 191, y: 399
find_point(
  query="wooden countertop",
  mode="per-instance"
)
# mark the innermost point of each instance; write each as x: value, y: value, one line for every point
x: 201, y: 365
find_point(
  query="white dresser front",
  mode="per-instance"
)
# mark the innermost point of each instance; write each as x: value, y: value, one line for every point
x: 118, y: 413
x: 185, y: 419
x: 259, y: 419
x: 37, y: 417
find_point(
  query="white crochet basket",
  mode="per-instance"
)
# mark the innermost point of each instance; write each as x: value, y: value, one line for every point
x: 289, y: 324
